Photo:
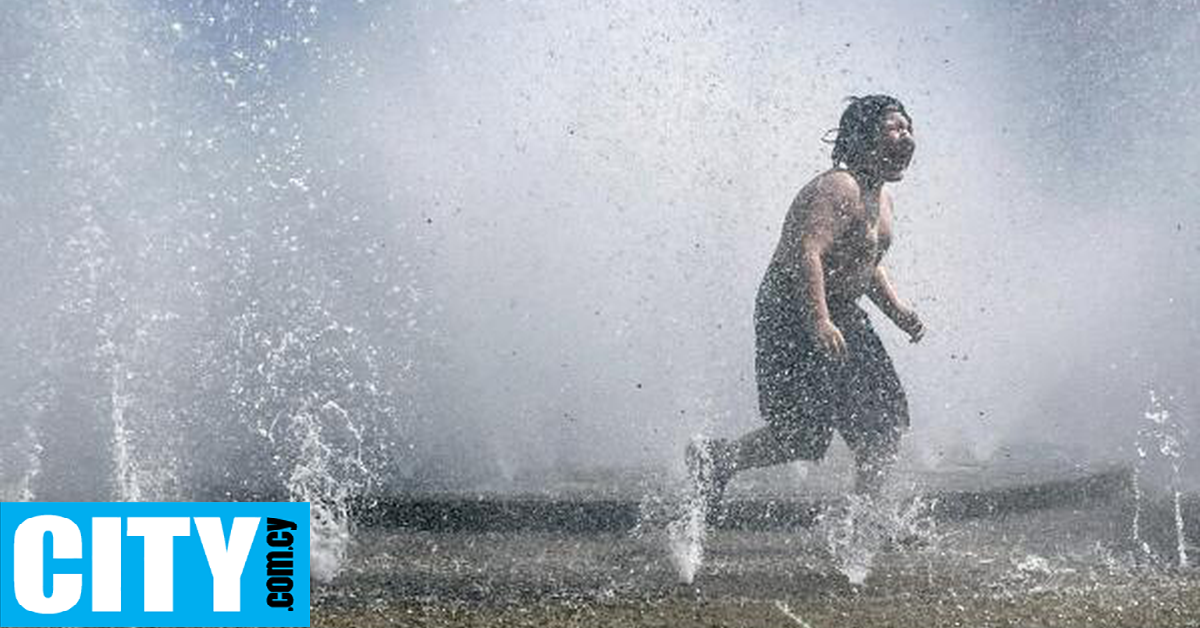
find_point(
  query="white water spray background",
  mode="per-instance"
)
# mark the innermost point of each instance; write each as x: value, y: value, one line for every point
x: 187, y: 317
x: 532, y: 232
x: 593, y: 191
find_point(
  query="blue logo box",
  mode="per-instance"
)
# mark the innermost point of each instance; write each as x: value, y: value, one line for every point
x: 154, y: 564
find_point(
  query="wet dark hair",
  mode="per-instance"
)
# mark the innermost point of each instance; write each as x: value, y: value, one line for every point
x: 858, y: 129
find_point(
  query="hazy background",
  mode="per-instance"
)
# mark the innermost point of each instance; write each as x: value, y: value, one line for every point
x: 453, y: 244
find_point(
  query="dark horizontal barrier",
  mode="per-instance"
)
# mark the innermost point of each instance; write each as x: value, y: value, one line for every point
x: 494, y: 513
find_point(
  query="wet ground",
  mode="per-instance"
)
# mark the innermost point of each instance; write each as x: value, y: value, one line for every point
x: 1046, y: 566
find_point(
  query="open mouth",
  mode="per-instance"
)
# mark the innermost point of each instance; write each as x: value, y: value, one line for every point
x: 897, y: 160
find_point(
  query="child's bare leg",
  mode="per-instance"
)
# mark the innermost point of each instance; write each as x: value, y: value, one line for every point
x: 760, y: 448
x: 874, y: 461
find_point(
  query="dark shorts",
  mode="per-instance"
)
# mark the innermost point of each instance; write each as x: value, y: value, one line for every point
x: 805, y: 395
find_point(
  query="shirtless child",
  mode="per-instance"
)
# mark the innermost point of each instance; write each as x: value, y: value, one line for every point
x: 819, y: 365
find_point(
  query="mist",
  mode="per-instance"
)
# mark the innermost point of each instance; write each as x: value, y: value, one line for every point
x: 426, y: 244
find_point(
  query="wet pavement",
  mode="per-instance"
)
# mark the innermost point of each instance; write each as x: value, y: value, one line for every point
x: 1076, y: 565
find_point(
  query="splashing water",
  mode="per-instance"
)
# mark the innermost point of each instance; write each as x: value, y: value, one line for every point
x: 28, y: 449
x: 686, y: 533
x: 33, y: 465
x: 859, y: 528
x: 1138, y: 499
x: 1161, y: 437
x: 686, y: 538
x: 187, y: 332
x: 124, y: 466
x: 315, y: 426
x: 853, y: 536
x: 315, y: 480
